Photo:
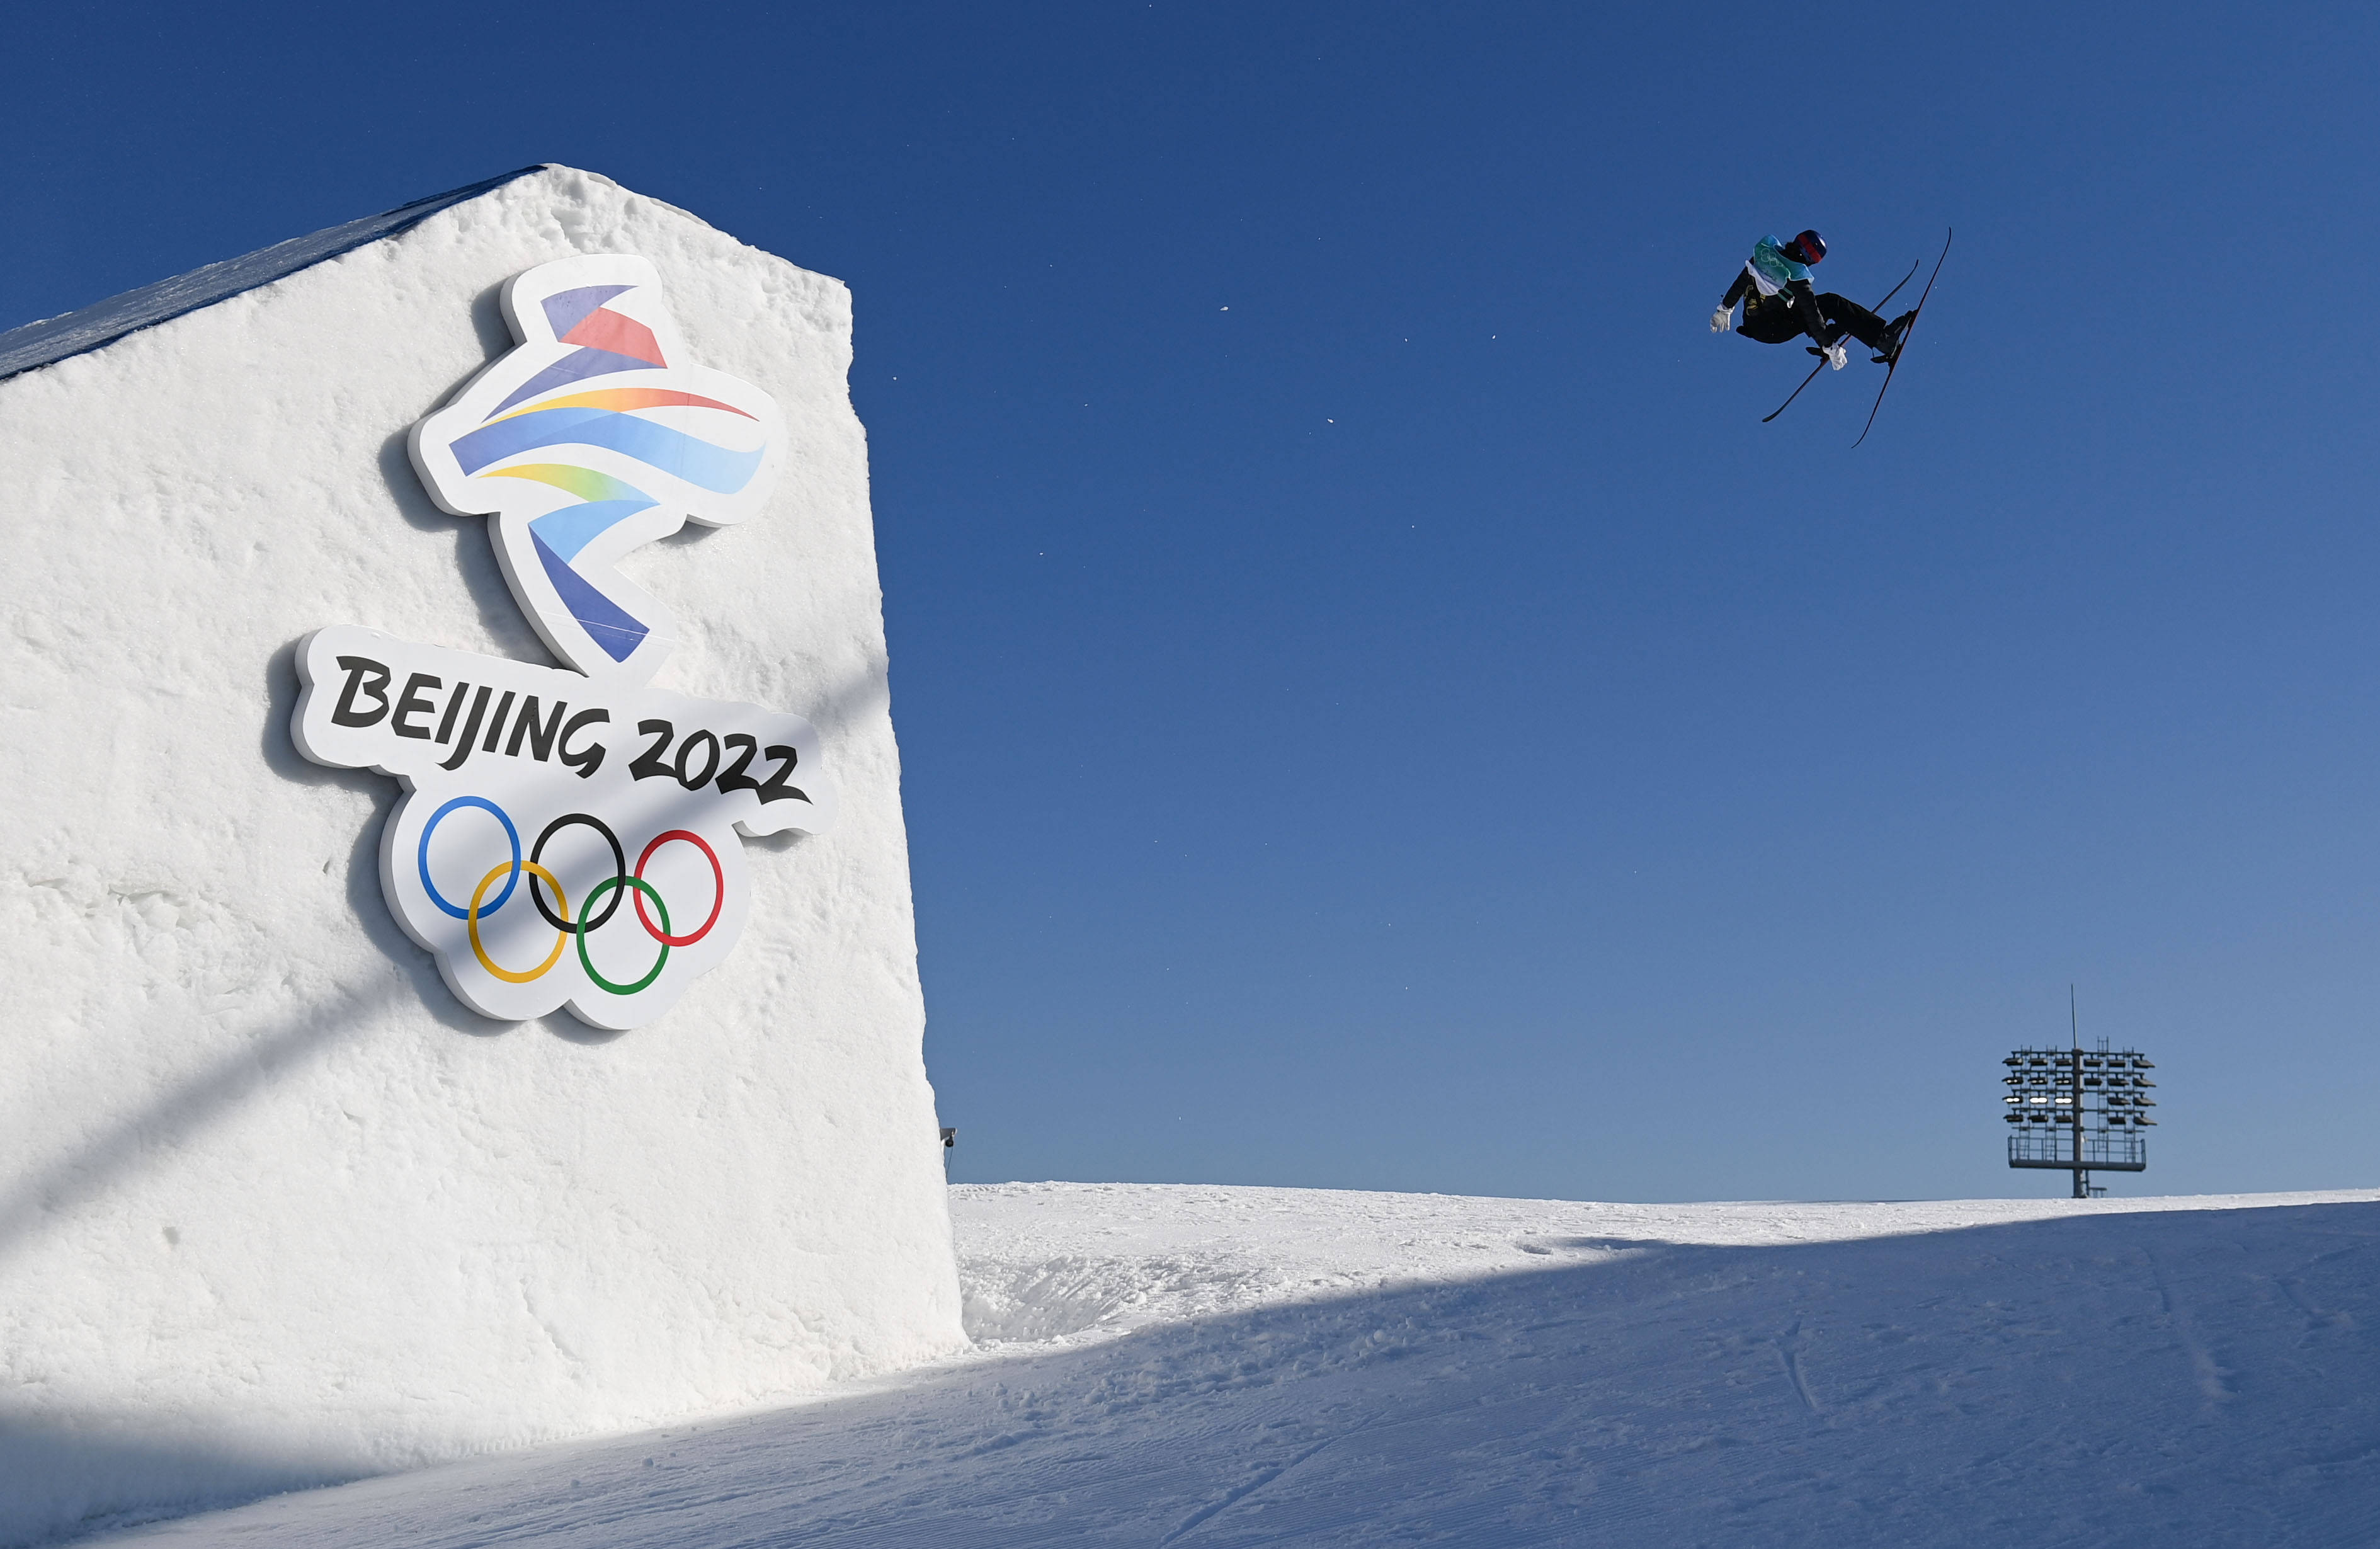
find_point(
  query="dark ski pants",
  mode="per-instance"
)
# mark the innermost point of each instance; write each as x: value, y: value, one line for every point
x: 1770, y: 320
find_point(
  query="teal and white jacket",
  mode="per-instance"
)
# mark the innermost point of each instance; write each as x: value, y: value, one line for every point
x: 1773, y: 275
x: 1771, y: 269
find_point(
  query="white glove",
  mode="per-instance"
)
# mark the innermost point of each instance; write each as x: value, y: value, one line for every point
x: 1722, y: 320
x: 1838, y: 357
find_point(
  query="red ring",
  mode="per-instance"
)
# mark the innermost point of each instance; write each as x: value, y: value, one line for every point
x: 718, y: 878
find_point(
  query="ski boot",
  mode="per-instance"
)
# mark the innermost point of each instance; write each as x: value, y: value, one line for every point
x: 1887, y: 349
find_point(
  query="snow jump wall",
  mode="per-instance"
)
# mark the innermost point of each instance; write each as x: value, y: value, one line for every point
x: 464, y: 990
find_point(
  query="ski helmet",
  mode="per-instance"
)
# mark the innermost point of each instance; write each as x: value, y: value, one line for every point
x: 1808, y: 248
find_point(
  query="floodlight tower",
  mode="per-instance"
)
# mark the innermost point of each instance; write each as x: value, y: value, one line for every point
x: 2054, y: 1093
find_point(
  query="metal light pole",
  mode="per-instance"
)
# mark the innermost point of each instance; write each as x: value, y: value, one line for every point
x: 2055, y: 1090
x: 2074, y: 1074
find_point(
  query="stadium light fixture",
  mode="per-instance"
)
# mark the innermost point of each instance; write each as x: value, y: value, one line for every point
x: 2078, y: 1110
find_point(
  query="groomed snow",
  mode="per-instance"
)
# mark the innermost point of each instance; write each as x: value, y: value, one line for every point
x: 1182, y: 1365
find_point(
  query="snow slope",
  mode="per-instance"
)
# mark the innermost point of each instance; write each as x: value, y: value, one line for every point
x: 1209, y: 1366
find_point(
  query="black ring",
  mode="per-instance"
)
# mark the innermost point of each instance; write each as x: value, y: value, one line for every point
x: 619, y: 868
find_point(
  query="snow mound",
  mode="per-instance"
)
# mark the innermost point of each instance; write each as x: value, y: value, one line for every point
x: 276, y: 1208
x: 1307, y: 1367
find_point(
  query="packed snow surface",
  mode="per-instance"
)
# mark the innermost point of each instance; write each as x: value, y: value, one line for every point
x: 1204, y: 1366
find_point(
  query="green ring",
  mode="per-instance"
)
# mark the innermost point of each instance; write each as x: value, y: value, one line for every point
x: 585, y: 910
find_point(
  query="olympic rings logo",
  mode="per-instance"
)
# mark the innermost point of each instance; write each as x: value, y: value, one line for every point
x: 620, y: 883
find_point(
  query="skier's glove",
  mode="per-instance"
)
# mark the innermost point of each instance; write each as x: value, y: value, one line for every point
x: 1838, y: 357
x: 1722, y: 319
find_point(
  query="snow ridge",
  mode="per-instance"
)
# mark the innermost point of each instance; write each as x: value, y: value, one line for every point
x: 101, y: 323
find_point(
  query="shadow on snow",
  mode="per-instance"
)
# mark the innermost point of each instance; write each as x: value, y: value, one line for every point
x: 2196, y: 1377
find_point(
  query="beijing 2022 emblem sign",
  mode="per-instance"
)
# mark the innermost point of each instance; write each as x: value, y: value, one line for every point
x: 569, y: 837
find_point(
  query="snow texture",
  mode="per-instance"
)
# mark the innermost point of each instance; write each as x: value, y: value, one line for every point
x: 274, y: 1208
x: 1208, y: 1366
x: 103, y: 323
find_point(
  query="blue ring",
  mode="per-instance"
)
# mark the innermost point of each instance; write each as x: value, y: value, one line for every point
x: 457, y: 910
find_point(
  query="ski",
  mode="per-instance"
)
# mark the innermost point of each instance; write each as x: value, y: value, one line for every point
x: 1822, y: 364
x: 1795, y: 394
x: 1888, y: 295
x: 1946, y: 234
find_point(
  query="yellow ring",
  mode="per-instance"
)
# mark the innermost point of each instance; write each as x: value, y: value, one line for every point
x: 471, y: 923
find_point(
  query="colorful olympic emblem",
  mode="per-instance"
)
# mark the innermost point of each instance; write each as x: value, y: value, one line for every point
x: 622, y: 880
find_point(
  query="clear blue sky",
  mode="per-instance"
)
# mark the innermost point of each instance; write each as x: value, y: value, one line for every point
x: 1378, y: 707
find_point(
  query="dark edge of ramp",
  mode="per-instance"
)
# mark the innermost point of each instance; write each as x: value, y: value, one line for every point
x: 52, y: 339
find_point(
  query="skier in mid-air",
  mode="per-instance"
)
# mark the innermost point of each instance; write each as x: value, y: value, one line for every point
x: 1779, y: 305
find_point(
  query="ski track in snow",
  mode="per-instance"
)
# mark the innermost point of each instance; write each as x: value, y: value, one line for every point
x: 1170, y: 1365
